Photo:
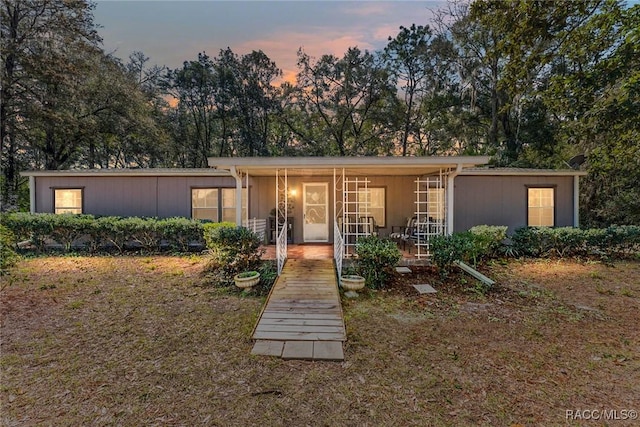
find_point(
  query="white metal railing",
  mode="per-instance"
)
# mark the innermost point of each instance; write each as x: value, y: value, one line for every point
x: 338, y: 248
x: 281, y: 248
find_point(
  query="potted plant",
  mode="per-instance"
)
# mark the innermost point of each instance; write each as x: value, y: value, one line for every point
x: 246, y: 279
x: 352, y: 282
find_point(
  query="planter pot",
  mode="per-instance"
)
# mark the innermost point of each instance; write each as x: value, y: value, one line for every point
x: 246, y: 282
x: 352, y: 282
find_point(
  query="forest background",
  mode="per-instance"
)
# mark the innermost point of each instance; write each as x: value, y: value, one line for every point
x: 529, y: 83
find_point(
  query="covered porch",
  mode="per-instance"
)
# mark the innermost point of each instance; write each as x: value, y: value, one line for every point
x: 325, y: 251
x: 335, y: 200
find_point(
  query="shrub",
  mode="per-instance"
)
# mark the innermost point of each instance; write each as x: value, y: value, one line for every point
x: 455, y: 247
x: 35, y: 228
x: 624, y: 239
x: 614, y: 241
x: 376, y: 260
x: 530, y: 241
x: 488, y: 239
x: 208, y: 230
x: 68, y: 228
x: 180, y: 232
x: 105, y: 233
x: 233, y: 249
x: 566, y: 241
x: 268, y: 274
x: 8, y: 256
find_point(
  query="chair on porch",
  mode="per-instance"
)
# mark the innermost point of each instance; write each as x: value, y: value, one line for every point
x: 402, y: 233
x: 367, y: 225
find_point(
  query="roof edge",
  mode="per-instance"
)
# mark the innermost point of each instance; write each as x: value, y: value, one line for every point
x: 345, y: 161
x: 522, y: 172
x: 128, y: 172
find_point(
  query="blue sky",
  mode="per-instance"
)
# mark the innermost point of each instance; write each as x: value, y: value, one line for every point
x: 171, y: 32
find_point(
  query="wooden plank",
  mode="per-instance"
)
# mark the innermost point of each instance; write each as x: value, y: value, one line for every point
x: 298, y: 350
x: 303, y: 310
x: 281, y: 315
x: 325, y: 329
x: 298, y: 336
x: 328, y: 350
x: 311, y: 306
x: 334, y: 312
x: 304, y: 322
x: 475, y: 273
x: 304, y: 305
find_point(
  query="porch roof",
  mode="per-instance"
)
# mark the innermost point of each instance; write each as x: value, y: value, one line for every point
x: 266, y: 166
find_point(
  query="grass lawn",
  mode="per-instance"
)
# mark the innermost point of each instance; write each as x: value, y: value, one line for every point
x: 143, y: 341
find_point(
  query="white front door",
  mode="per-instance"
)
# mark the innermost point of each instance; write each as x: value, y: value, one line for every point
x: 316, y: 212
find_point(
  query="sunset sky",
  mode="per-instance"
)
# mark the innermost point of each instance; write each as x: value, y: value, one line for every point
x: 171, y: 32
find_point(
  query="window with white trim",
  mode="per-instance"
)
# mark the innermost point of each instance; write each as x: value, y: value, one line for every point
x: 216, y: 204
x: 372, y: 202
x: 435, y: 204
x: 540, y: 206
x: 67, y: 200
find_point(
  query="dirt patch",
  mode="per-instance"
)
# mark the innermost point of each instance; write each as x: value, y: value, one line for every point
x: 146, y: 341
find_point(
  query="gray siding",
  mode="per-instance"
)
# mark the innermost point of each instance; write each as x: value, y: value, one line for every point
x: 163, y: 196
x: 399, y: 199
x: 479, y: 199
x: 502, y: 200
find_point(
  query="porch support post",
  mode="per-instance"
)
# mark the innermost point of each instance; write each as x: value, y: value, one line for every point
x: 450, y: 186
x: 32, y: 194
x: 238, y: 179
x: 246, y: 185
x: 576, y: 201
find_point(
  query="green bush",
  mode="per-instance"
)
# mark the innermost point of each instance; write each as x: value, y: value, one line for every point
x: 445, y: 250
x: 376, y: 260
x: 68, y: 228
x: 8, y: 256
x: 209, y: 227
x: 488, y: 239
x: 268, y: 275
x: 104, y: 233
x: 233, y: 250
x: 36, y: 228
x: 614, y: 241
x: 480, y: 242
x: 179, y: 233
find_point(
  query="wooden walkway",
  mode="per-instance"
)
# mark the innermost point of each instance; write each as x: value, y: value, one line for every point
x: 302, y: 318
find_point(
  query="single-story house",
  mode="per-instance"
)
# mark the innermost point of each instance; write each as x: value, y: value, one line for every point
x: 323, y: 199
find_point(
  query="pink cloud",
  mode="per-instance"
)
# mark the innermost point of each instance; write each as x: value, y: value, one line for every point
x: 368, y: 9
x: 283, y: 47
x: 383, y: 32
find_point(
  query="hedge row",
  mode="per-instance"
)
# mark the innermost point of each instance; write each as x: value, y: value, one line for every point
x: 479, y: 242
x: 490, y: 241
x: 97, y: 234
x: 8, y: 255
x: 615, y: 241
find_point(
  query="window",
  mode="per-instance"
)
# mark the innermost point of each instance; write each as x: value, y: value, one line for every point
x: 67, y: 200
x: 216, y: 204
x: 204, y: 203
x: 435, y: 204
x: 372, y: 203
x: 540, y: 207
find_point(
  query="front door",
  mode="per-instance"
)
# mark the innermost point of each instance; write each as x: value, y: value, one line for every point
x: 316, y: 212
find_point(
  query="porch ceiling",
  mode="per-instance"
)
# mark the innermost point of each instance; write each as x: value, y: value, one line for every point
x: 323, y: 166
